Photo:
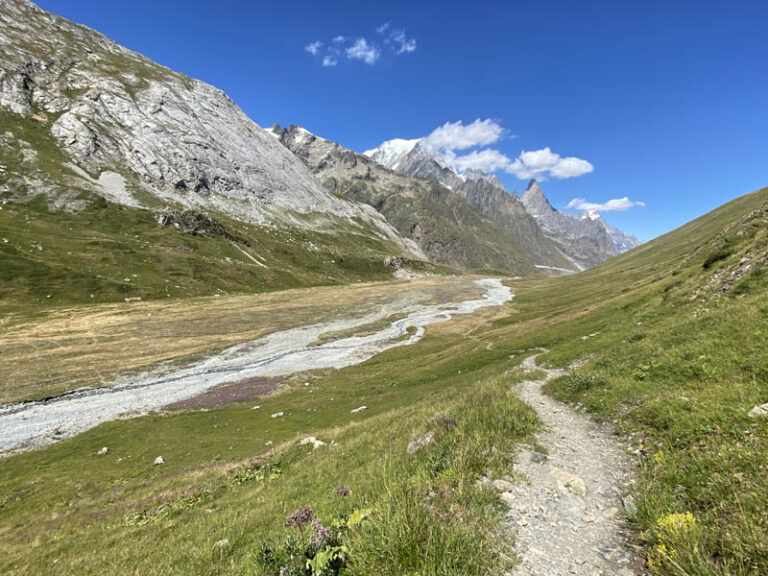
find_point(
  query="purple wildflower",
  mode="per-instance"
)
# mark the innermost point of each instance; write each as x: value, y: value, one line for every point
x: 300, y: 517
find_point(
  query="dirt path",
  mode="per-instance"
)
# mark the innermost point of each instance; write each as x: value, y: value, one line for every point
x: 568, y: 515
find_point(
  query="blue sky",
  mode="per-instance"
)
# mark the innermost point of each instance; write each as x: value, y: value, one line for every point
x: 667, y: 101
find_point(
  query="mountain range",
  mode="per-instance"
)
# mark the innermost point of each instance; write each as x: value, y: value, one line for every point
x: 109, y: 163
x: 562, y: 240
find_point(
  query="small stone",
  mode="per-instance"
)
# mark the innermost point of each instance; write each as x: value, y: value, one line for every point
x: 256, y: 408
x: 311, y: 440
x: 277, y: 415
x: 360, y: 409
x: 538, y: 456
x: 159, y: 460
x: 610, y: 512
x: 759, y: 411
x: 222, y: 545
x: 420, y: 441
x: 268, y: 443
x: 102, y: 451
x: 503, y: 485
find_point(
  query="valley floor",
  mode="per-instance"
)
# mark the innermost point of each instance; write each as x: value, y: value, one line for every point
x: 333, y: 344
x: 669, y: 347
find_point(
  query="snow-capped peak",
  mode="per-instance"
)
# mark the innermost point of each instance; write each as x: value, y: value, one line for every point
x: 591, y: 215
x: 392, y: 152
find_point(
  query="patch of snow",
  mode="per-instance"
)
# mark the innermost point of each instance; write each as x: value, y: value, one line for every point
x: 392, y: 152
x: 556, y: 269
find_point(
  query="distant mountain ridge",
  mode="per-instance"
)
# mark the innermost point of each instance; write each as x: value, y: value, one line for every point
x: 441, y: 222
x: 551, y: 238
x: 107, y: 154
x: 585, y: 238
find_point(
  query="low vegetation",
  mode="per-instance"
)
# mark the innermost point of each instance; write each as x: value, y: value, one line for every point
x: 671, y: 350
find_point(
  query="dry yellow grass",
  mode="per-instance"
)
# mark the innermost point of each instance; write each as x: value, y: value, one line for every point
x: 72, y: 347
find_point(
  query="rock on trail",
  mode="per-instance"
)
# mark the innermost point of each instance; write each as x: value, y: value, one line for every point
x: 567, y: 514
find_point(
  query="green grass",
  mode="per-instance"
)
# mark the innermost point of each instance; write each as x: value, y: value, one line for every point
x: 105, y: 252
x: 118, y: 510
x: 679, y: 357
x: 674, y: 350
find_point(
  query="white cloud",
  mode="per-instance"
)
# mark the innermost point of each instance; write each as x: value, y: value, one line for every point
x: 488, y: 160
x: 362, y: 50
x: 313, y: 47
x: 614, y: 205
x: 394, y: 42
x: 544, y: 162
x: 402, y: 44
x: 456, y: 136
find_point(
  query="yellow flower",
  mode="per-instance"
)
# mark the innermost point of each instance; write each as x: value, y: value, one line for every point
x: 676, y: 524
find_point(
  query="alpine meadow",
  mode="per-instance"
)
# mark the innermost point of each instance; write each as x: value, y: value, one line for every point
x: 235, y: 349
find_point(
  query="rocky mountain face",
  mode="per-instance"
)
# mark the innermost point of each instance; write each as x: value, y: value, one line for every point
x: 483, y: 191
x: 152, y: 131
x: 584, y: 238
x: 121, y: 179
x: 448, y: 228
x: 553, y: 240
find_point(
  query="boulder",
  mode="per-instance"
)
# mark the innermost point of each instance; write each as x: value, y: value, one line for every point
x: 420, y: 441
x: 311, y: 440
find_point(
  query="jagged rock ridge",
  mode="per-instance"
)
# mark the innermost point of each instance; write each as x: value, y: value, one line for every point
x: 447, y: 228
x: 585, y: 238
x: 483, y: 191
x: 552, y: 239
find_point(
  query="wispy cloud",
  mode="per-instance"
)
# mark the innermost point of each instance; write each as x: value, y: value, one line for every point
x: 396, y: 38
x: 393, y: 41
x: 613, y: 205
x: 314, y: 48
x: 362, y: 50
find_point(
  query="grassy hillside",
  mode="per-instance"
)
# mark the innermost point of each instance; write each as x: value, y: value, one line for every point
x: 672, y: 339
x: 674, y: 336
x: 86, y: 249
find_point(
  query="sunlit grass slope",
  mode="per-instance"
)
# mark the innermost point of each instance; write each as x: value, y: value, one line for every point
x: 673, y: 338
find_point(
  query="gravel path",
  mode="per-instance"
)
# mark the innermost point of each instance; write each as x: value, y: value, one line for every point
x: 31, y: 425
x: 568, y: 515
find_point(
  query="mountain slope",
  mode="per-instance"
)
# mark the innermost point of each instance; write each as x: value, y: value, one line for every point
x: 483, y: 191
x: 585, y: 240
x: 676, y: 375
x: 85, y: 120
x: 440, y: 221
